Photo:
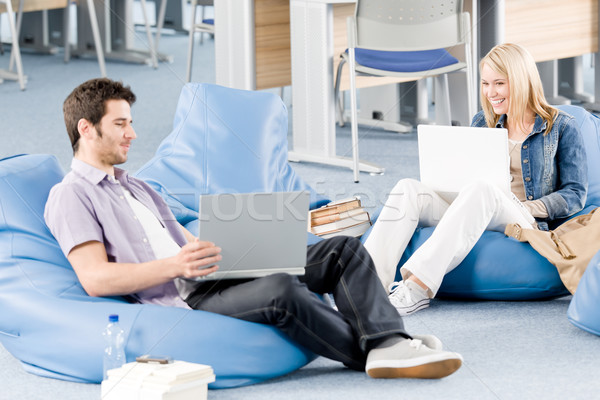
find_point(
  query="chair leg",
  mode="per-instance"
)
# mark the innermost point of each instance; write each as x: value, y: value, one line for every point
x: 67, y: 31
x: 19, y: 19
x: 188, y: 75
x: 354, y: 115
x: 160, y: 24
x: 471, y: 86
x: 151, y: 45
x: 97, y: 40
x: 202, y: 20
x: 337, y: 98
x: 442, y: 100
x: 16, y: 51
x: 422, y: 101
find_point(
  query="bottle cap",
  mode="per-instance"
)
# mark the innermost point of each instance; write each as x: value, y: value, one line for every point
x: 113, y: 318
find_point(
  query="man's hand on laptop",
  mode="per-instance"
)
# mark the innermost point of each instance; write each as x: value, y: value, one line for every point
x: 198, y: 258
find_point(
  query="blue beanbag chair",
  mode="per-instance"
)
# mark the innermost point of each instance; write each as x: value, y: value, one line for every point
x: 500, y: 267
x: 583, y: 311
x: 51, y: 325
x: 223, y: 140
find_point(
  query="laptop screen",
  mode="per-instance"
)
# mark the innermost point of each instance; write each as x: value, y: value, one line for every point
x: 259, y: 233
x: 451, y: 157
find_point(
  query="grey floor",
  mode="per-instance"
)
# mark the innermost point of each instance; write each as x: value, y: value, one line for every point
x: 512, y: 350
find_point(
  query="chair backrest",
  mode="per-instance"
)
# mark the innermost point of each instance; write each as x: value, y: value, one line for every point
x: 408, y: 25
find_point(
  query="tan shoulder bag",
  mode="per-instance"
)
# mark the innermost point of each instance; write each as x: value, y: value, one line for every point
x: 570, y: 247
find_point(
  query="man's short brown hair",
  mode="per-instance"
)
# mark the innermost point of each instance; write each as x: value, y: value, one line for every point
x: 88, y: 101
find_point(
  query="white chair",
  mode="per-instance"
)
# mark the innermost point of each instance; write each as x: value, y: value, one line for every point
x: 407, y: 39
x: 206, y: 26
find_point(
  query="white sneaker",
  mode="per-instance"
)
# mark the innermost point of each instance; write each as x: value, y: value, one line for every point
x: 411, y: 359
x: 408, y: 297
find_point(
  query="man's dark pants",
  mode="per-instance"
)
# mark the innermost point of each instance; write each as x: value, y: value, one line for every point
x: 340, y: 266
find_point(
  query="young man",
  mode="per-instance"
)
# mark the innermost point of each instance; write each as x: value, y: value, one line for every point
x: 121, y: 239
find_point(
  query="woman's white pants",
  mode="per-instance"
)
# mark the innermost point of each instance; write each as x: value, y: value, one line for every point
x: 478, y: 207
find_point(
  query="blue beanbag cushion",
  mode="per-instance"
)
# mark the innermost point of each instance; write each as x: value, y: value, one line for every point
x: 54, y: 328
x: 497, y: 268
x: 500, y: 267
x: 583, y: 311
x: 223, y: 141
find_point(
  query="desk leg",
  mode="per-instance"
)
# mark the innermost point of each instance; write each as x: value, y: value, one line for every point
x: 311, y: 32
x: 549, y: 74
x: 595, y: 106
x: 235, y: 62
x: 570, y: 71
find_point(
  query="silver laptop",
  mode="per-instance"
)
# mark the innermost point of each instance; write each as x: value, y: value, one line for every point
x: 259, y: 233
x: 451, y: 157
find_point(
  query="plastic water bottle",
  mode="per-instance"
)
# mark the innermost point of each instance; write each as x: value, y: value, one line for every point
x: 114, y: 352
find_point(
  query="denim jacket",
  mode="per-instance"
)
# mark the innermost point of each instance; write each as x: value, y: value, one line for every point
x: 554, y: 166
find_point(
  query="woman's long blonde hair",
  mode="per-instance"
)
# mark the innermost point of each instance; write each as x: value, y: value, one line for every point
x: 526, y: 91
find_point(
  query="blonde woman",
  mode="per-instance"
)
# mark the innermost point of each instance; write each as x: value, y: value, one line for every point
x: 549, y: 176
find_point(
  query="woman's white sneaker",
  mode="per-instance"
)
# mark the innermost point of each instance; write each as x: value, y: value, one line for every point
x: 408, y: 297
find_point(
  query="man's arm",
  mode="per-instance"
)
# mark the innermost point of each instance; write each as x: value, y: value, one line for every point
x: 100, y: 277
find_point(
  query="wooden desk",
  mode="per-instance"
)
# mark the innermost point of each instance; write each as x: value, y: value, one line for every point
x: 552, y: 29
x: 548, y: 29
x: 35, y: 5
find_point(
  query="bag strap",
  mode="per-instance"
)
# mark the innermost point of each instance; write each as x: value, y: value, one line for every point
x: 534, y: 235
x: 514, y: 231
x: 562, y: 247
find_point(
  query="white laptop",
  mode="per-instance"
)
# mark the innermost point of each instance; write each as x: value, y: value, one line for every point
x: 259, y: 233
x: 451, y: 157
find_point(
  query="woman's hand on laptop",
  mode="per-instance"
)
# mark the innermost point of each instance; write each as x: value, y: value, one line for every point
x: 198, y: 258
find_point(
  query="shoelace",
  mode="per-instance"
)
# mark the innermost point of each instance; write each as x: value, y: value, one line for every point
x: 400, y: 292
x: 416, y: 343
x: 394, y: 286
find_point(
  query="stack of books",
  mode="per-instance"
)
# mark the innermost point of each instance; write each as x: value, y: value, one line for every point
x: 178, y: 380
x: 343, y: 217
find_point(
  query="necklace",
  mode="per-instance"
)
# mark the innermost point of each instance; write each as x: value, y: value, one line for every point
x: 513, y: 144
x: 520, y: 135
